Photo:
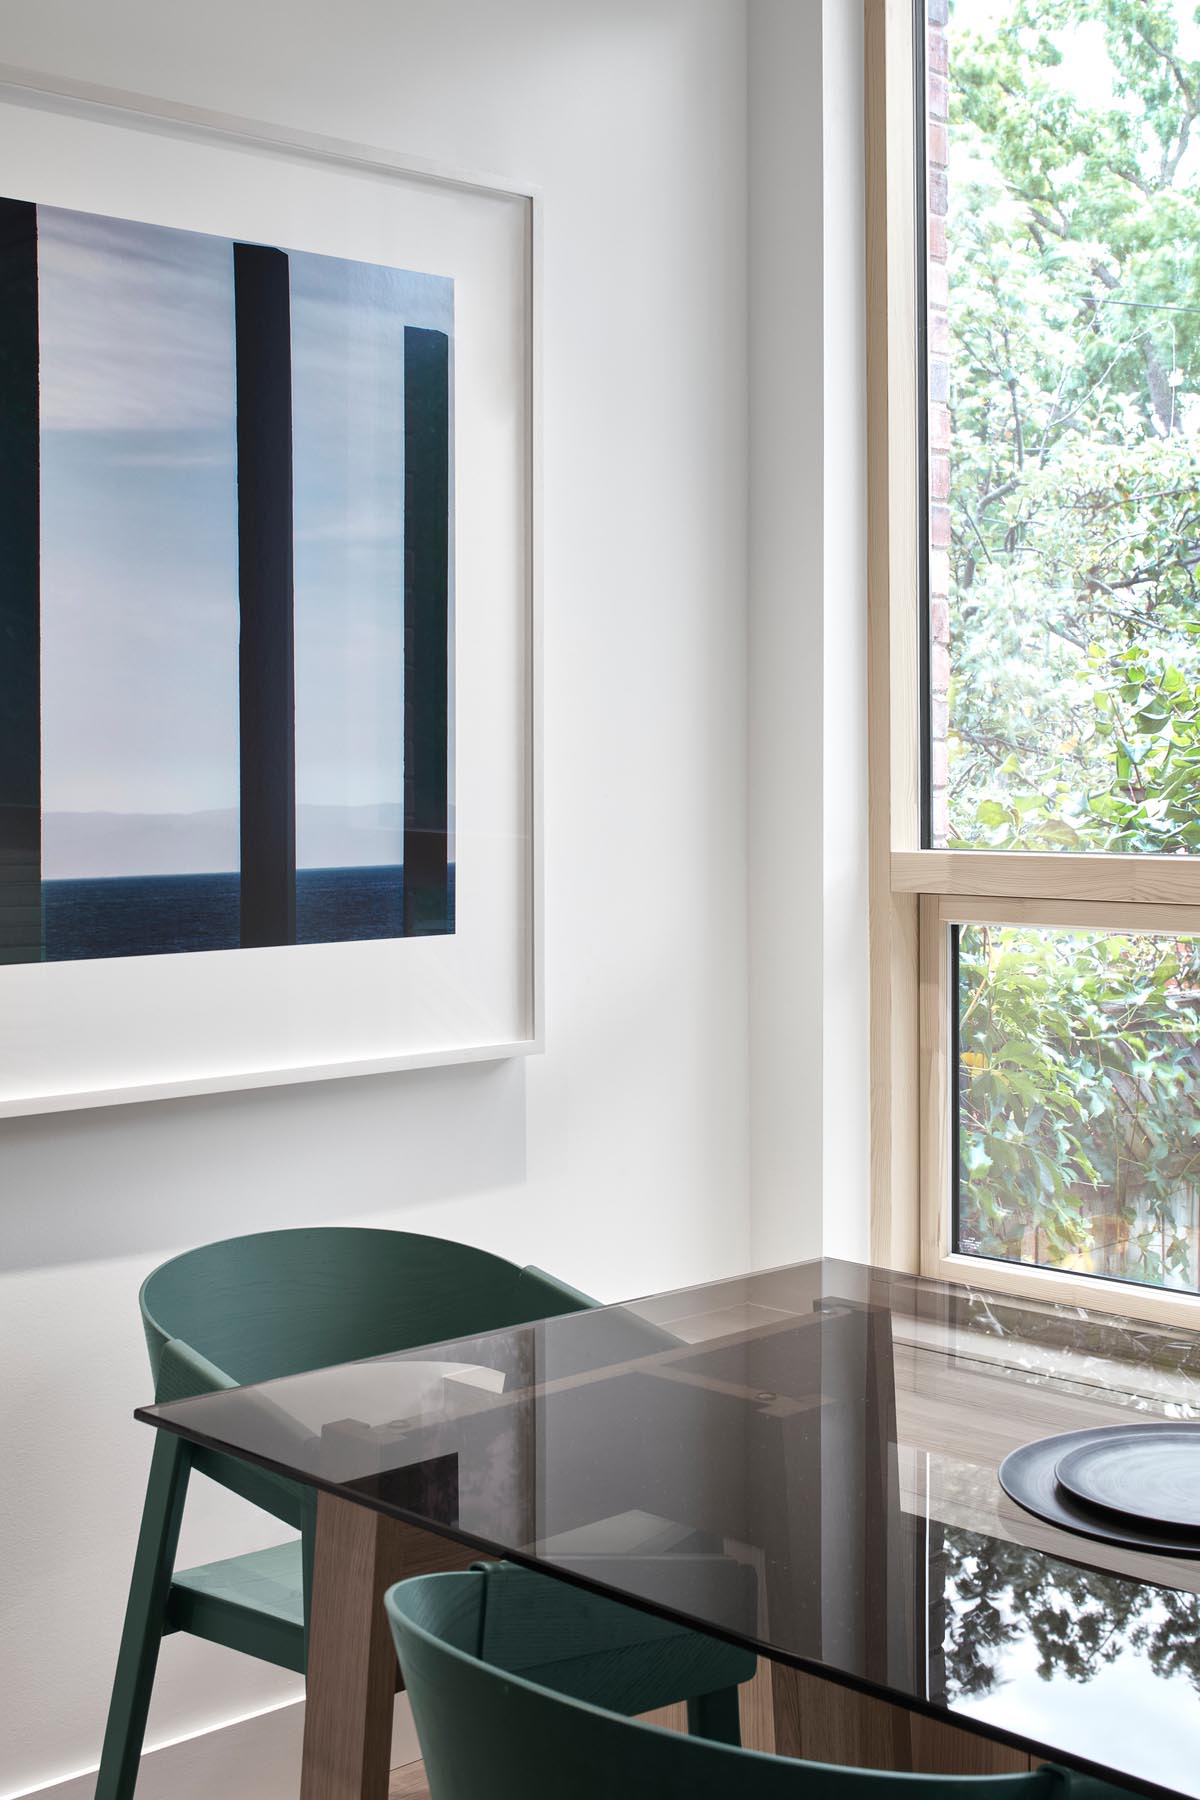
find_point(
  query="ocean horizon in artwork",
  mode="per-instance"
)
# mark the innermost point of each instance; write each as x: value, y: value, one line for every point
x: 163, y: 915
x: 226, y: 515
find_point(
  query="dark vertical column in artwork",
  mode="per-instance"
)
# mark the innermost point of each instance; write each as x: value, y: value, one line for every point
x: 20, y: 627
x: 265, y: 587
x: 426, y: 631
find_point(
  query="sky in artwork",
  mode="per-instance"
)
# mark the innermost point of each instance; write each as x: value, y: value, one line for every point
x: 138, y: 521
x: 348, y: 321
x: 139, y: 548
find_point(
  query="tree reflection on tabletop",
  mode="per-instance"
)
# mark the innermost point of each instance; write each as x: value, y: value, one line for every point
x: 999, y: 1594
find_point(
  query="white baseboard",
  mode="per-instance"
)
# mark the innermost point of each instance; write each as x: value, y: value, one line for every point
x: 251, y: 1759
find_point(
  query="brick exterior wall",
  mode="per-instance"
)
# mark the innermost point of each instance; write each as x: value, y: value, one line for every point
x: 938, y: 341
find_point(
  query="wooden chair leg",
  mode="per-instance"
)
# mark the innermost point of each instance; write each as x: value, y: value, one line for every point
x: 715, y: 1716
x: 145, y: 1613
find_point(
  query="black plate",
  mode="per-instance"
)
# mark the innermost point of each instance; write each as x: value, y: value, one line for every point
x: 1148, y: 1473
x: 1027, y: 1476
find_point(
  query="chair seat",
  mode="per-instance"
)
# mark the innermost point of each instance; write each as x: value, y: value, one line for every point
x: 619, y: 1657
x: 595, y: 1648
x: 603, y: 1651
x: 253, y: 1603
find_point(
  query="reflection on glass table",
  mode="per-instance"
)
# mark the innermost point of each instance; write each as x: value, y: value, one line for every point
x: 829, y: 1434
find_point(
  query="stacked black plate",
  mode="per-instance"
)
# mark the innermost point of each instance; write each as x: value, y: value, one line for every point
x: 1136, y: 1485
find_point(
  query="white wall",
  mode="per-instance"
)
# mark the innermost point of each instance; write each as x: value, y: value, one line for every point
x: 807, y: 633
x: 845, y: 1140
x: 619, y: 1159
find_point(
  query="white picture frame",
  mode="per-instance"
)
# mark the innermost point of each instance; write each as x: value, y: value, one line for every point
x: 109, y: 1032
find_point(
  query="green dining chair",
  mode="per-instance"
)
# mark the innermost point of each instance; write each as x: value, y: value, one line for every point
x: 279, y: 1303
x: 491, y: 1647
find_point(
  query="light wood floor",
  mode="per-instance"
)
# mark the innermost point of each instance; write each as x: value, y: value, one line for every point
x: 408, y: 1783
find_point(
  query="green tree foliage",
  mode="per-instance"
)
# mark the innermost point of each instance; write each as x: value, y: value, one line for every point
x: 1079, y: 1096
x: 1074, y: 719
x: 1074, y: 253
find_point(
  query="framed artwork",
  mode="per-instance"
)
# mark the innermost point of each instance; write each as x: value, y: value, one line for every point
x: 268, y: 618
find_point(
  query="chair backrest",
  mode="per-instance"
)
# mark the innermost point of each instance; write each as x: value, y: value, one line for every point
x: 486, y: 1728
x: 281, y: 1302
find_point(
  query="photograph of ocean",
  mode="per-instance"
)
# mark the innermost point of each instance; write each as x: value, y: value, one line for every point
x: 227, y: 696
x: 159, y: 915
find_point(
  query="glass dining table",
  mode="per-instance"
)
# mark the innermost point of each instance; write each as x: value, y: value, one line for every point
x: 833, y: 1428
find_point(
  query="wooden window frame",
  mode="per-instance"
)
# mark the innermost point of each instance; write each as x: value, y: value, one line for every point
x: 916, y: 895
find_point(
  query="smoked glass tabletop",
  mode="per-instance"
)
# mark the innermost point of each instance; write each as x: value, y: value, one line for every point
x: 804, y: 1461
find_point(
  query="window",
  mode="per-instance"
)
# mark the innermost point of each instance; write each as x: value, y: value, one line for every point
x: 1062, y: 327
x: 1034, y: 381
x: 1076, y: 1099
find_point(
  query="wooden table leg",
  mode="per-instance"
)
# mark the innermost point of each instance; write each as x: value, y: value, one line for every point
x: 756, y: 1705
x: 824, y: 1722
x: 352, y: 1675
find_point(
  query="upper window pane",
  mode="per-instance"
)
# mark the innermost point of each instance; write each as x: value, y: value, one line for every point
x: 1063, y: 424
